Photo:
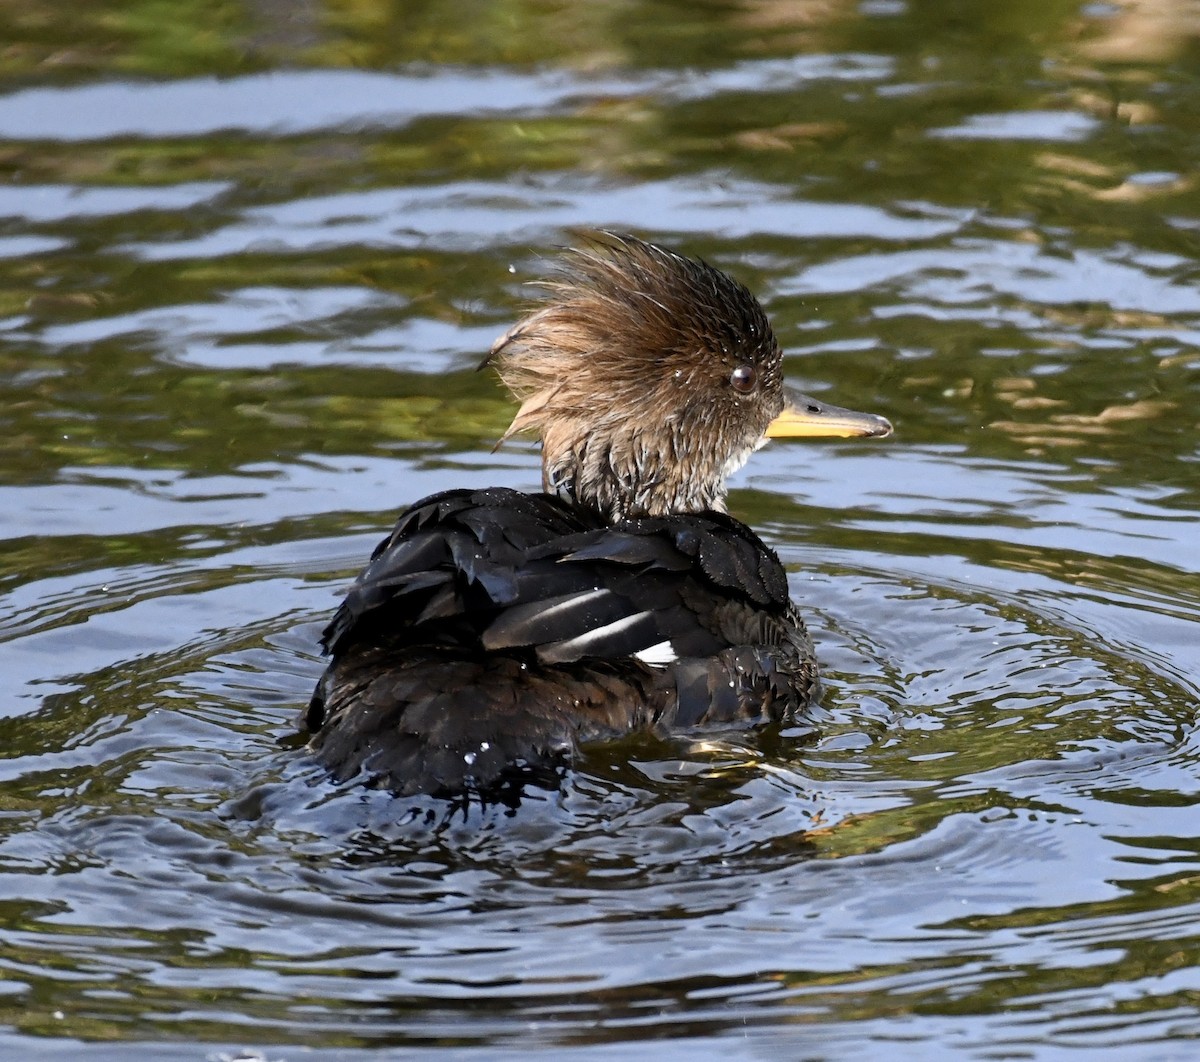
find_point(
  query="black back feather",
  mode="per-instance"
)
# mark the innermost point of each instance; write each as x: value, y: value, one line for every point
x: 493, y: 630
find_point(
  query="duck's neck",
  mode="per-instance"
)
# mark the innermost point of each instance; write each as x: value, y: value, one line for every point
x: 626, y: 479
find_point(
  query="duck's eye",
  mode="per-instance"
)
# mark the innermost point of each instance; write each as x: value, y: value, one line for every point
x: 744, y: 379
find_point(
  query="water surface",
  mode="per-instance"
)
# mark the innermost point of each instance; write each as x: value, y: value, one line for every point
x: 250, y: 256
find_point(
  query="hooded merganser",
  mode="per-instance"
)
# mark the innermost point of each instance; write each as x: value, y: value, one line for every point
x: 494, y: 630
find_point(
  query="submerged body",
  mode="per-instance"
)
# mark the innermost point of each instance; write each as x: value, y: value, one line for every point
x: 493, y: 631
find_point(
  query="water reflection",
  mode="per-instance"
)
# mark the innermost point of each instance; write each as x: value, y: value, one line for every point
x: 241, y: 304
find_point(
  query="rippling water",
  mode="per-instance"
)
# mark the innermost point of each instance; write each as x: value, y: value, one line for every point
x: 250, y: 255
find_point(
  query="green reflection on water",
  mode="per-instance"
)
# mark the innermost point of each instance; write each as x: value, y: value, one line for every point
x: 1099, y: 397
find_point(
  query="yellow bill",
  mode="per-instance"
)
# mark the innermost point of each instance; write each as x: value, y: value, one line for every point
x: 804, y: 417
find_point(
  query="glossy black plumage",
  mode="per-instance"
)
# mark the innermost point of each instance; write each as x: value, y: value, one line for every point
x: 494, y: 631
x: 495, y: 628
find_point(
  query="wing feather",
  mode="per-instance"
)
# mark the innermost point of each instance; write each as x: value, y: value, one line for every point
x: 500, y: 569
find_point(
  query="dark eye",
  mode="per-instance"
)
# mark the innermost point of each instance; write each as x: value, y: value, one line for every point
x: 744, y: 379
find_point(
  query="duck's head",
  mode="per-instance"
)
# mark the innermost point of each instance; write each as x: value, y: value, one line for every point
x: 651, y: 377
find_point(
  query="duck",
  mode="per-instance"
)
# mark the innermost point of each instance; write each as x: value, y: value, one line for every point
x: 495, y: 632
